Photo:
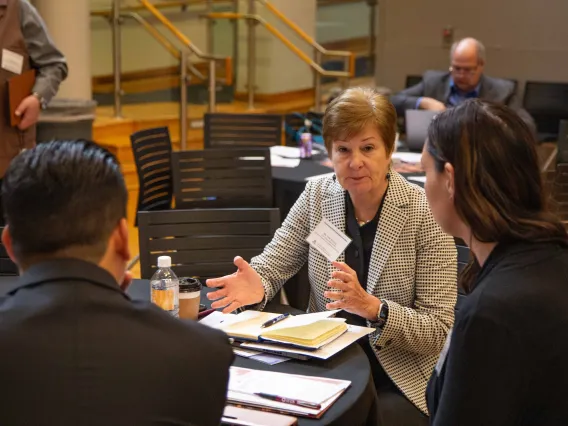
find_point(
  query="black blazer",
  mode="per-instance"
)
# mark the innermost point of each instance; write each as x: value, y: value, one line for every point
x: 506, y: 360
x: 436, y: 85
x: 76, y: 350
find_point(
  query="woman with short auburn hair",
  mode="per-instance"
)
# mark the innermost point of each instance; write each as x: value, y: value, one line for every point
x: 398, y: 274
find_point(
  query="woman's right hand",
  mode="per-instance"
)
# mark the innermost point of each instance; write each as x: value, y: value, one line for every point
x: 242, y: 288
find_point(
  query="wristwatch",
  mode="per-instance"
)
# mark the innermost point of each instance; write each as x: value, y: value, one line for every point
x: 383, y: 315
x: 41, y: 99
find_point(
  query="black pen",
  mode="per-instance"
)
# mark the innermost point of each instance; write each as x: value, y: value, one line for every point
x: 290, y: 401
x: 275, y: 320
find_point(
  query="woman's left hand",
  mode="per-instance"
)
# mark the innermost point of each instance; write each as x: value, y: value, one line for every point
x: 352, y: 297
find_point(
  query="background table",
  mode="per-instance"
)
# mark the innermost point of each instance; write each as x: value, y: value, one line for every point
x: 356, y: 407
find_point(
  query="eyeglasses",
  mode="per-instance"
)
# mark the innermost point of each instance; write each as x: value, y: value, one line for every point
x: 463, y: 70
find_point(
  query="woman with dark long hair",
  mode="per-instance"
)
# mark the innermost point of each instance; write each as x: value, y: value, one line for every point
x: 506, y: 360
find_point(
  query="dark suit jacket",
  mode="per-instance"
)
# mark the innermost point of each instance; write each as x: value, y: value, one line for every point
x: 436, y: 85
x: 77, y: 351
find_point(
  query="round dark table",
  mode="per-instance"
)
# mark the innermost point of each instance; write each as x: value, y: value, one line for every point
x: 356, y: 407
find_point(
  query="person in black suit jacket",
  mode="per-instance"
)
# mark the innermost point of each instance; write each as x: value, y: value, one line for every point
x: 76, y: 350
x: 504, y: 363
x: 439, y: 90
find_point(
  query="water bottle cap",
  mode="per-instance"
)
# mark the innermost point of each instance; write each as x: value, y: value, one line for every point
x: 164, y: 262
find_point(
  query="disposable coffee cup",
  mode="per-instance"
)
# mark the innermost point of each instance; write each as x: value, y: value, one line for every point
x: 189, y: 296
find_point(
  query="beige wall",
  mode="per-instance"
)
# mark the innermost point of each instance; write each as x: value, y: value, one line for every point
x: 277, y: 68
x: 342, y: 21
x: 525, y: 39
x: 140, y: 51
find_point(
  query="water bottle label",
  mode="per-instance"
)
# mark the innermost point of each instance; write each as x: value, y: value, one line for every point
x: 165, y: 299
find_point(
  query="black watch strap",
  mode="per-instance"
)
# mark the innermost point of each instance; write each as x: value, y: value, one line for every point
x: 383, y: 315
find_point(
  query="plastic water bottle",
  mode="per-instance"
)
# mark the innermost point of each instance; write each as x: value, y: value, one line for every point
x: 164, y: 287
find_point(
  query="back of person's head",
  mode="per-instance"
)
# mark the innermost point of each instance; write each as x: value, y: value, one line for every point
x: 354, y: 109
x: 489, y: 155
x: 64, y: 199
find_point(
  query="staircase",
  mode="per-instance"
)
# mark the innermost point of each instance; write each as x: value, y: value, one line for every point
x: 151, y: 98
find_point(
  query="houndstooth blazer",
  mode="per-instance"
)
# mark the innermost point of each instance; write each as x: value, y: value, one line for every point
x: 413, y: 269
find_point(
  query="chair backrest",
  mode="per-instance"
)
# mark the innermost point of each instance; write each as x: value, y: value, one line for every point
x: 203, y: 242
x: 7, y: 267
x: 562, y: 145
x: 242, y: 130
x: 547, y: 103
x: 463, y: 253
x: 229, y: 178
x: 560, y: 191
x: 152, y: 149
x: 412, y: 80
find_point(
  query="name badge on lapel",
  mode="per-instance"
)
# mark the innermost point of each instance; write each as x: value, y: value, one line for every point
x: 328, y: 240
x: 11, y: 61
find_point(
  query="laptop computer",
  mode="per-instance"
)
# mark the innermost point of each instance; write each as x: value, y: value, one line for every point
x: 417, y: 122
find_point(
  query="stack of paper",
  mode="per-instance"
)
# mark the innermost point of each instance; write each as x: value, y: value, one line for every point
x: 284, y: 156
x: 326, y: 351
x: 245, y: 385
x: 301, y: 336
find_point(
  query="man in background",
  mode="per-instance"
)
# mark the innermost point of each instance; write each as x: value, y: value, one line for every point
x: 25, y: 45
x: 76, y: 349
x: 465, y: 80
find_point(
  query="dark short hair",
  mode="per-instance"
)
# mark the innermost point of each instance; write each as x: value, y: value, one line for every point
x: 499, y: 191
x: 61, y: 196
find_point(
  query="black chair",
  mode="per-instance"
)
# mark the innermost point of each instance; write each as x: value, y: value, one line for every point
x: 152, y: 149
x: 412, y: 80
x: 203, y: 243
x: 222, y: 178
x: 515, y: 84
x: 548, y: 104
x: 560, y: 192
x: 7, y: 267
x: 242, y: 130
x: 562, y: 156
x: 464, y: 255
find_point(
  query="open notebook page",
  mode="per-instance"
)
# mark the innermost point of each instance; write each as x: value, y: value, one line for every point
x: 250, y: 327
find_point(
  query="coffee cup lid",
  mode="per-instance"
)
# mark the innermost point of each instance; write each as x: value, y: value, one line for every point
x: 189, y: 284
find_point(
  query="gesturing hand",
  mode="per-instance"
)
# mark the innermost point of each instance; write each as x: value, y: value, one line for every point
x: 29, y: 111
x: 352, y: 297
x: 242, y: 288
